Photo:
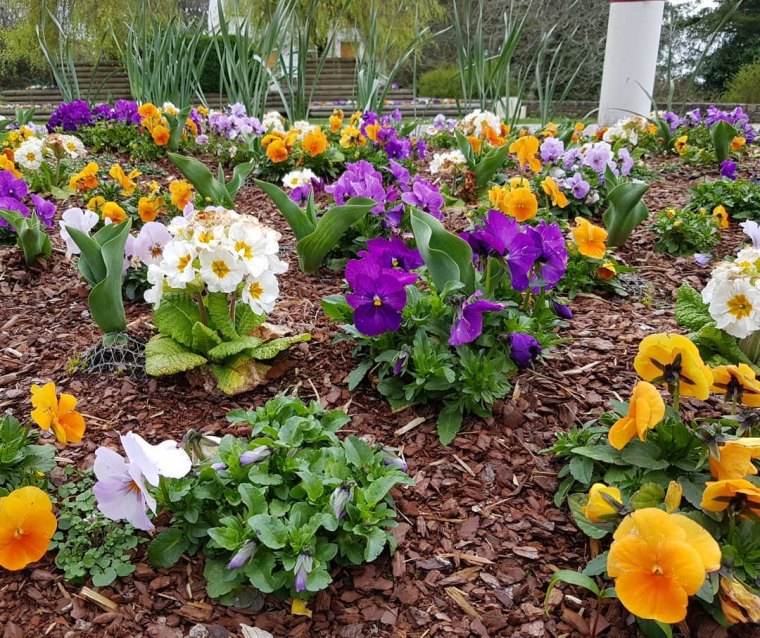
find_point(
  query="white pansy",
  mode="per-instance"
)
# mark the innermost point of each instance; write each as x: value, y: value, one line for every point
x: 177, y: 263
x: 443, y: 161
x: 303, y: 127
x: 81, y: 220
x: 29, y: 154
x: 261, y: 293
x: 221, y: 270
x: 735, y: 306
x: 294, y: 179
x: 472, y: 123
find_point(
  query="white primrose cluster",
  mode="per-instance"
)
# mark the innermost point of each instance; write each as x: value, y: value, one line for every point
x: 472, y: 123
x: 733, y: 294
x: 297, y: 178
x: 219, y: 250
x: 443, y: 162
x: 272, y: 121
x: 34, y: 151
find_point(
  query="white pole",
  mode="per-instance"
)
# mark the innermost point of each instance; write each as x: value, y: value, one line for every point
x: 213, y: 16
x: 630, y: 58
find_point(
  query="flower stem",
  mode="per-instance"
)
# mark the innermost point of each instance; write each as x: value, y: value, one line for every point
x: 201, y: 309
x: 675, y: 390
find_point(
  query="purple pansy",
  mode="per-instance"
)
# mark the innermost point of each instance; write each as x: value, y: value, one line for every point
x: 517, y: 246
x: 378, y: 299
x: 551, y: 263
x: 524, y: 348
x: 598, y: 157
x: 70, y: 116
x: 578, y: 186
x: 45, y: 210
x: 468, y: 325
x: 561, y: 310
x: 552, y: 149
x: 242, y: 555
x: 626, y: 161
x: 302, y: 569
x: 149, y: 245
x: 392, y: 253
x: 728, y: 169
x: 425, y: 196
x: 12, y: 186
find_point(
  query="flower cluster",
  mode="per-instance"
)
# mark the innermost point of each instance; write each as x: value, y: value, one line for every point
x: 124, y: 111
x: 221, y: 251
x: 69, y: 116
x: 34, y: 151
x: 696, y: 118
x: 234, y: 123
x: 13, y: 194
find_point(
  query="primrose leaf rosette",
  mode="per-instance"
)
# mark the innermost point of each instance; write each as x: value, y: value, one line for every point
x: 211, y: 292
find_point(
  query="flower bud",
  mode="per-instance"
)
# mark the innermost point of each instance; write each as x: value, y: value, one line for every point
x: 242, y: 555
x: 303, y: 567
x: 390, y: 458
x: 261, y: 453
x: 339, y: 499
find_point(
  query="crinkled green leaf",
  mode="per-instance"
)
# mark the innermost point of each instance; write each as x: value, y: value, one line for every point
x: 176, y: 316
x: 226, y: 349
x: 691, y: 312
x: 218, y: 308
x: 204, y: 338
x: 271, y: 348
x: 164, y: 356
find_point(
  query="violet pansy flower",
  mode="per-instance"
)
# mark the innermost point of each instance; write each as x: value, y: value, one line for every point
x: 378, y: 299
x: 149, y: 245
x: 425, y: 196
x: 468, y: 325
x: 524, y: 348
x: 302, y: 569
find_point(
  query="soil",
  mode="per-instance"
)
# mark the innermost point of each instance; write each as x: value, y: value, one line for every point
x: 479, y: 535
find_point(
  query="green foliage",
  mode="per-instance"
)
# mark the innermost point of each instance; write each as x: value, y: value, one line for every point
x: 441, y: 82
x: 305, y: 494
x: 317, y: 236
x: 229, y: 349
x: 744, y: 87
x: 163, y: 56
x: 22, y: 461
x: 721, y: 134
x: 484, y: 165
x: 685, y: 232
x: 741, y: 197
x: 626, y: 209
x: 691, y: 312
x: 214, y: 189
x: 30, y: 236
x: 88, y: 543
x: 100, y: 264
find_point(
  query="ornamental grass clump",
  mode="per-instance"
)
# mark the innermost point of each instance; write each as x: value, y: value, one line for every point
x: 678, y: 495
x: 211, y: 291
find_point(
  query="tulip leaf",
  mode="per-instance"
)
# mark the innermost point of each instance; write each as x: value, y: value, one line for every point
x: 448, y: 257
x: 489, y: 164
x: 30, y: 236
x: 203, y: 180
x: 330, y: 228
x: 571, y: 578
x: 625, y: 211
x: 299, y: 222
x: 239, y: 174
x: 691, y: 312
x: 722, y: 134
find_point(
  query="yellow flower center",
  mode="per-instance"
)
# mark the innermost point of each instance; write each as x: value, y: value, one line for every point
x: 19, y: 533
x: 739, y: 306
x: 157, y: 250
x: 656, y: 569
x: 183, y: 262
x: 377, y: 302
x: 220, y: 268
x: 205, y: 237
x: 244, y: 249
x: 255, y: 290
x: 30, y: 156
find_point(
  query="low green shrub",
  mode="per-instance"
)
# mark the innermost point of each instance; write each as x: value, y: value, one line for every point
x: 744, y: 87
x: 443, y: 82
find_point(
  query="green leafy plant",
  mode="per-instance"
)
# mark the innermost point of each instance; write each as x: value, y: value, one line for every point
x: 685, y: 232
x: 741, y: 197
x: 483, y: 165
x: 30, y: 236
x: 211, y: 332
x: 625, y: 211
x: 276, y: 512
x: 317, y: 235
x: 214, y: 189
x: 22, y: 461
x: 88, y: 543
x: 100, y: 263
x: 721, y: 134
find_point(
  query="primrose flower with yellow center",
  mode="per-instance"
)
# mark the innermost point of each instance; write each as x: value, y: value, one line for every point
x: 734, y: 459
x: 645, y: 410
x: 735, y: 306
x: 29, y: 155
x: 673, y: 360
x: 177, y: 263
x: 604, y: 503
x: 57, y: 414
x: 740, y: 495
x: 526, y: 148
x: 658, y: 560
x: 220, y: 270
x: 261, y: 293
x: 590, y: 239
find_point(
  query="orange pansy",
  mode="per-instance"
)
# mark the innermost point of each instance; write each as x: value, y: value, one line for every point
x: 551, y: 188
x: 520, y: 203
x: 737, y: 383
x: 277, y: 151
x: 124, y: 180
x: 86, y: 179
x: 7, y: 164
x: 590, y: 239
x: 315, y: 142
x: 114, y: 212
x: 27, y: 524
x: 658, y: 560
x: 148, y: 208
x: 607, y: 271
x: 600, y: 507
x: 181, y: 193
x: 735, y: 459
x: 160, y: 135
x: 738, y: 142
x: 526, y: 148
x: 721, y: 215
x: 645, y: 410
x: 745, y: 496
x: 59, y: 415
